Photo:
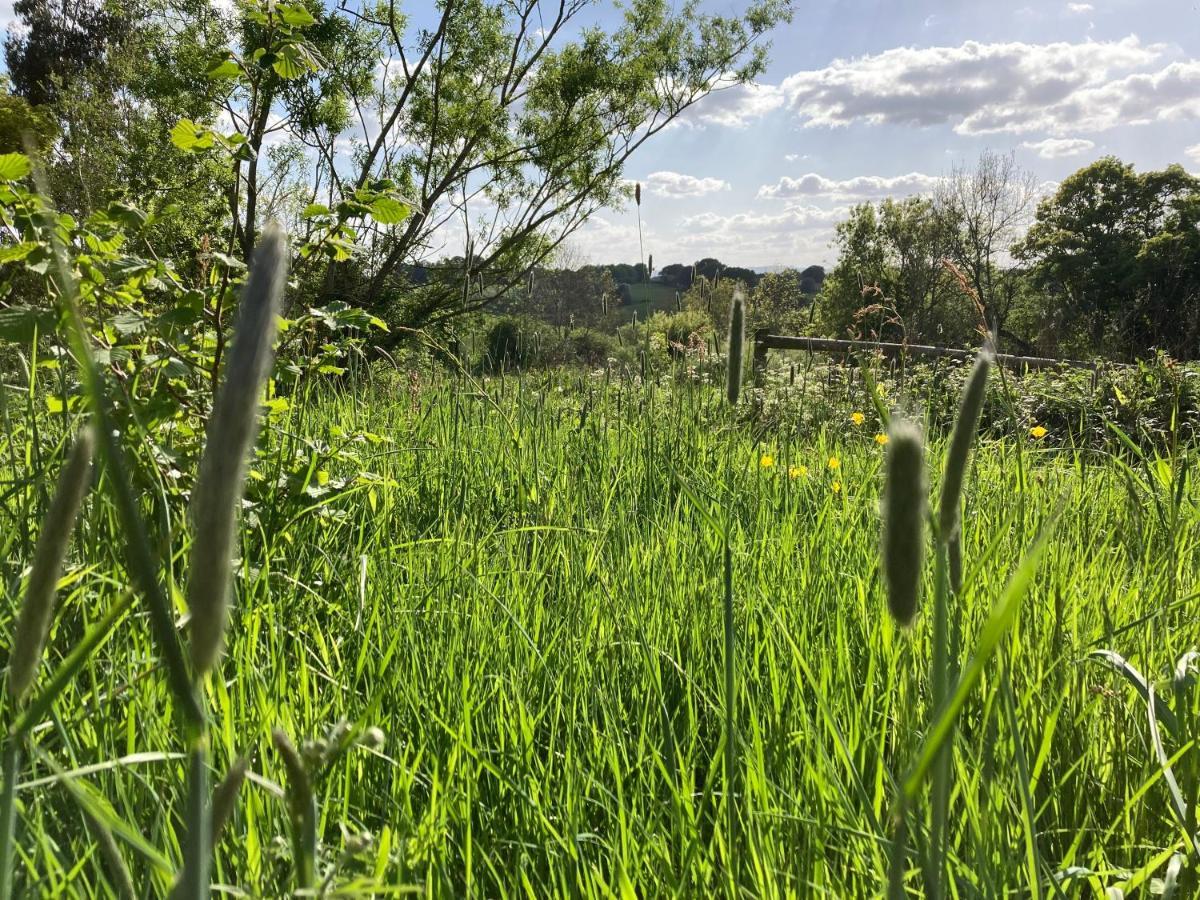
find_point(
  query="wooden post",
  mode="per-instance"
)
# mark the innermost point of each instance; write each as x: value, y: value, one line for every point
x: 759, y: 363
x: 764, y: 342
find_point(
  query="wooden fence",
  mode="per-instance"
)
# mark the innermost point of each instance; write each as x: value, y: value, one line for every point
x: 765, y: 342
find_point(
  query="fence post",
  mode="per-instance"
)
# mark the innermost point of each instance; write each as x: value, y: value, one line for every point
x: 759, y: 363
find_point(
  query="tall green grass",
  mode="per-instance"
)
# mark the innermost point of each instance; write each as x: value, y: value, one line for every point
x: 519, y: 586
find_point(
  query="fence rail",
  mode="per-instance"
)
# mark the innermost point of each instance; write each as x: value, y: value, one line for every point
x: 765, y: 342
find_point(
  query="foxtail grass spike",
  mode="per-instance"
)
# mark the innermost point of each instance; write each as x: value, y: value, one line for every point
x: 905, y: 499
x: 231, y: 433
x: 225, y: 796
x: 301, y: 809
x: 37, y: 611
x: 965, y: 426
x: 737, y: 339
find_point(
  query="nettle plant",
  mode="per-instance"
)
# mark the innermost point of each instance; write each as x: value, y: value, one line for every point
x: 160, y: 331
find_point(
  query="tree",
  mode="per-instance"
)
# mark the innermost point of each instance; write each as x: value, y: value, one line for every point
x: 571, y: 292
x: 490, y: 128
x: 111, y: 103
x: 677, y: 276
x: 1115, y: 256
x: 58, y: 40
x: 990, y: 207
x: 777, y: 302
x: 19, y: 120
x: 890, y: 281
x: 812, y: 279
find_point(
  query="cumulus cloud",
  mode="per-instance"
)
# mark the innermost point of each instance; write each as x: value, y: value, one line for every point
x: 743, y: 222
x: 983, y: 88
x: 735, y: 106
x: 676, y: 184
x: 798, y: 235
x: 603, y: 239
x: 1079, y: 8
x: 1193, y: 153
x: 1055, y: 148
x: 862, y: 187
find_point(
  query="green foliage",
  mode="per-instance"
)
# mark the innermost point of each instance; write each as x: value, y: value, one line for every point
x: 890, y: 282
x: 1116, y: 254
x: 779, y: 303
x: 512, y: 614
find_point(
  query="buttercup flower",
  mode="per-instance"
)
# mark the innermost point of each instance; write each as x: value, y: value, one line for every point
x: 797, y: 471
x: 1038, y: 432
x: 881, y: 439
x: 837, y: 487
x: 834, y: 463
x: 857, y: 418
x: 767, y: 461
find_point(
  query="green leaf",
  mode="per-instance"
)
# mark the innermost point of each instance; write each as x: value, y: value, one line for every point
x: 292, y: 61
x: 994, y: 629
x: 295, y: 15
x: 128, y: 323
x: 315, y: 209
x: 19, y: 324
x: 388, y: 211
x: 14, y: 166
x: 17, y: 251
x: 225, y: 68
x: 188, y: 136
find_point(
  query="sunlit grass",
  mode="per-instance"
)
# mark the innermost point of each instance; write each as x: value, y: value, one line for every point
x: 523, y: 589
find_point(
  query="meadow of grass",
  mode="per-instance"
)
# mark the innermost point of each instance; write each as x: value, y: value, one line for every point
x: 520, y: 582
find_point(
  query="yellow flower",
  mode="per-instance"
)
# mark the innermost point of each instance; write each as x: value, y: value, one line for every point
x: 837, y: 487
x: 767, y: 461
x: 834, y: 463
x: 857, y: 418
x: 797, y: 471
x: 1038, y: 432
x: 881, y: 439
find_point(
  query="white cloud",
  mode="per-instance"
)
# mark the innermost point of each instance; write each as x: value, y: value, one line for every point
x: 758, y: 222
x: 796, y: 236
x: 735, y: 106
x: 862, y: 187
x: 602, y: 239
x: 1193, y: 152
x: 1079, y: 9
x: 1055, y: 148
x: 676, y: 184
x: 983, y: 88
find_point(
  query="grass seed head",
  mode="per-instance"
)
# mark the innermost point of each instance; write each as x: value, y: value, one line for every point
x: 737, y: 338
x: 904, y: 503
x: 965, y: 426
x: 225, y: 796
x: 231, y: 433
x: 37, y: 611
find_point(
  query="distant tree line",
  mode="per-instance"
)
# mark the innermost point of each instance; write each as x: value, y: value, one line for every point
x: 1108, y: 264
x: 681, y: 276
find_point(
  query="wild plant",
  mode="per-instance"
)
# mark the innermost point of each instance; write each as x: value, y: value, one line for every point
x: 733, y: 387
x: 216, y: 498
x: 950, y: 687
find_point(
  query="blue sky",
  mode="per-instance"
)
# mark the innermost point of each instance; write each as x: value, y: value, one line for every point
x: 867, y: 98
x: 864, y: 99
